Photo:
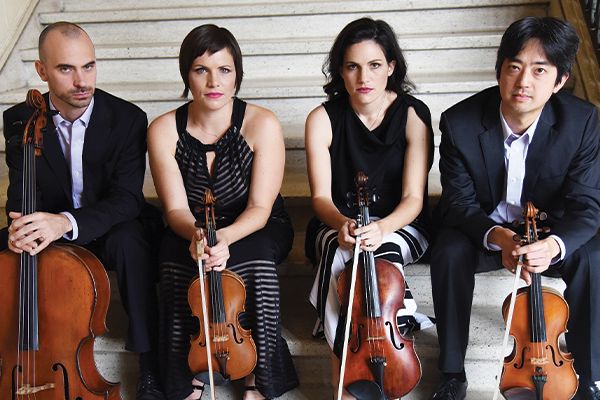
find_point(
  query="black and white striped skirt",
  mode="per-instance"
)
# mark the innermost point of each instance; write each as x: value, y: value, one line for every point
x: 254, y: 258
x: 402, y: 247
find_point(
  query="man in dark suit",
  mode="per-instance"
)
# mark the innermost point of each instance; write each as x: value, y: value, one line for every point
x: 89, y: 184
x: 522, y: 141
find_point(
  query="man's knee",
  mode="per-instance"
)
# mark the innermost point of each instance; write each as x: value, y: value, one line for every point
x: 453, y: 248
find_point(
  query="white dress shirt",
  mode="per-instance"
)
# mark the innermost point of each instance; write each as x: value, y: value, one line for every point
x: 71, y: 136
x: 510, y: 208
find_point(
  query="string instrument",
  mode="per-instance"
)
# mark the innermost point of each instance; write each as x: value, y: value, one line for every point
x: 54, y: 304
x: 536, y: 368
x: 222, y: 350
x: 378, y: 362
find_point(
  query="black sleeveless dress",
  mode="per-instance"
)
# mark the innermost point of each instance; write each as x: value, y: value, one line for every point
x: 254, y: 258
x: 380, y: 155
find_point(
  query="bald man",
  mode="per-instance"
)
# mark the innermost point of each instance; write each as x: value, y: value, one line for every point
x: 89, y: 185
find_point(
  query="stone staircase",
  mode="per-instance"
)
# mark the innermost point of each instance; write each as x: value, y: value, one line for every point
x: 450, y: 46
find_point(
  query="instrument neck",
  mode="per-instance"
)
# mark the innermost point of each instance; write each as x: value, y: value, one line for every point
x: 536, y: 303
x: 371, y: 287
x: 214, y: 277
x: 28, y: 304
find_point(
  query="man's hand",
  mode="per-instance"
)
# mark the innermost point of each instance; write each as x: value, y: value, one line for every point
x: 503, y: 237
x: 34, y: 232
x: 537, y: 256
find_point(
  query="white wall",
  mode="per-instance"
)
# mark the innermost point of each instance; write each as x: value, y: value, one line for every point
x: 14, y: 15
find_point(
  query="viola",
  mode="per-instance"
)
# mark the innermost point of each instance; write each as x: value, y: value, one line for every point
x: 378, y: 362
x: 537, y: 368
x: 222, y: 350
x: 54, y: 304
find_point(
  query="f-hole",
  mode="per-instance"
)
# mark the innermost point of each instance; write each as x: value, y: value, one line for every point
x: 526, y: 348
x: 234, y: 334
x: 391, y: 326
x: 65, y: 375
x: 360, y: 327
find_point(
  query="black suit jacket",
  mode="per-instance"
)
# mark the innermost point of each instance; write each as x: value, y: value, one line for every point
x: 114, y: 164
x: 562, y: 169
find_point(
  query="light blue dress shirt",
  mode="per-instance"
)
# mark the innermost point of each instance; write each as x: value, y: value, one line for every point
x: 515, y: 153
x: 71, y: 136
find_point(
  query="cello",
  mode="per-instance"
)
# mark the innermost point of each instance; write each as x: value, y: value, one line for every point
x: 536, y: 369
x: 54, y: 304
x: 378, y: 362
x: 222, y: 350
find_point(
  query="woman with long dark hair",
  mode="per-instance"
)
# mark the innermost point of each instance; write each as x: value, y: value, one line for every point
x: 371, y: 124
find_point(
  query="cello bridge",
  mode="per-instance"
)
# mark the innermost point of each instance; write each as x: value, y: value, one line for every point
x: 28, y: 389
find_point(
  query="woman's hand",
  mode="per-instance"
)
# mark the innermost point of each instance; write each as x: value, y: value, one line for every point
x: 371, y: 236
x: 345, y: 238
x: 215, y: 258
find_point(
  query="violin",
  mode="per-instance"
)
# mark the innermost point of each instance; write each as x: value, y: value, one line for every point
x: 537, y: 368
x: 378, y: 362
x: 54, y: 304
x: 222, y: 350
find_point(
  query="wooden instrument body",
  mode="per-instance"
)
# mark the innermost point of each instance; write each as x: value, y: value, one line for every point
x: 225, y: 337
x: 518, y: 369
x: 73, y: 298
x: 378, y: 361
x: 403, y: 368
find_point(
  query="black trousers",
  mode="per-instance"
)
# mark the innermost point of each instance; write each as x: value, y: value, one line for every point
x: 131, y: 249
x: 456, y: 259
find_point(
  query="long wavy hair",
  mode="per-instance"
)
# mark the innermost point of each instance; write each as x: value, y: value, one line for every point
x: 358, y: 31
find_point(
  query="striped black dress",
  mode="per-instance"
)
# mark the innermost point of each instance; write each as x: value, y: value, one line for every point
x: 254, y: 258
x: 379, y: 154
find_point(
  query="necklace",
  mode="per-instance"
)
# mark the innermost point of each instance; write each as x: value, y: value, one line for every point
x: 378, y: 114
x: 203, y: 130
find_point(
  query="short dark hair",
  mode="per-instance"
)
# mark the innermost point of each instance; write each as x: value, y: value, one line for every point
x: 67, y: 29
x: 209, y: 38
x: 356, y: 32
x: 557, y: 37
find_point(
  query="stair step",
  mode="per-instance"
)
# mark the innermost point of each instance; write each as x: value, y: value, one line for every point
x: 301, y: 45
x: 311, y: 356
x: 243, y: 9
x: 290, y: 99
x: 286, y: 67
x: 280, y: 21
x: 120, y: 5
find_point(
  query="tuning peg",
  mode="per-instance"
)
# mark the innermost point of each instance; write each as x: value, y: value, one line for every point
x: 545, y: 229
x: 517, y: 238
x: 516, y: 223
x: 543, y: 216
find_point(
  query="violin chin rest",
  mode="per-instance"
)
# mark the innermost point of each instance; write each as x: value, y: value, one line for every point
x: 519, y: 393
x: 218, y: 379
x: 365, y: 390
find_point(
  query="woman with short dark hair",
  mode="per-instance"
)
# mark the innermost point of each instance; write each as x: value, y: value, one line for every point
x: 219, y: 142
